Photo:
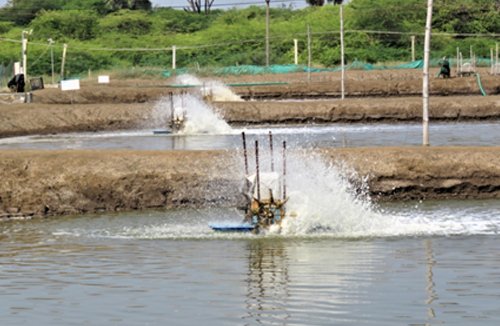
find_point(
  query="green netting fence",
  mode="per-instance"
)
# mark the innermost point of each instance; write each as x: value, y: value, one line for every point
x: 6, y: 73
x: 285, y: 69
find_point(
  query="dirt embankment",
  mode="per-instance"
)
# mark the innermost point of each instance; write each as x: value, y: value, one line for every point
x: 372, y: 96
x: 41, y: 119
x: 406, y: 109
x: 47, y: 183
x: 357, y: 84
x: 373, y: 88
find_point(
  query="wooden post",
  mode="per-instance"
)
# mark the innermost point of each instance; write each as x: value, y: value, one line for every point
x: 413, y: 48
x: 284, y: 170
x: 496, y: 60
x: 25, y: 60
x: 245, y: 152
x: 427, y: 49
x: 173, y: 57
x: 461, y: 63
x: 470, y: 60
x: 309, y: 53
x: 257, y: 179
x: 52, y: 59
x: 458, y: 60
x: 491, y: 56
x: 342, y: 62
x: 267, y: 33
x: 63, y: 60
x: 271, y: 148
x: 296, y: 45
x: 171, y: 95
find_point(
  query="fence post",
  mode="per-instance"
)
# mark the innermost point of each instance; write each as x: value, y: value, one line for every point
x: 267, y: 33
x: 412, y: 48
x: 25, y: 60
x: 496, y: 61
x: 309, y: 53
x: 295, y: 41
x: 63, y: 60
x: 342, y: 50
x: 491, y: 56
x: 427, y: 50
x: 173, y: 57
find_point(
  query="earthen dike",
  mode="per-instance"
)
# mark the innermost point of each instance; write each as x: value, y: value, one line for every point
x: 47, y: 183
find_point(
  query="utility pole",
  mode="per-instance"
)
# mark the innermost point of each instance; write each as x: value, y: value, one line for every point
x: 412, y: 48
x: 295, y: 41
x: 24, y: 48
x: 173, y: 57
x: 309, y: 53
x: 342, y: 62
x: 425, y: 91
x: 51, y: 57
x: 25, y: 59
x: 63, y: 61
x: 267, y: 32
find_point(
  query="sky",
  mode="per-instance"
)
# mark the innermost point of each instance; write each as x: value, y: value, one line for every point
x: 223, y: 4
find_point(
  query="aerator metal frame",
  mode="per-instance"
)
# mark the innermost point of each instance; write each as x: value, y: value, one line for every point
x: 269, y: 212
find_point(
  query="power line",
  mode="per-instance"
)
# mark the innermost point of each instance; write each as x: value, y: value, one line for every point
x: 256, y: 40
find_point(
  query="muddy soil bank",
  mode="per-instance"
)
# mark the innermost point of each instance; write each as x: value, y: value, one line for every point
x: 42, y: 119
x: 406, y: 109
x: 467, y: 86
x: 358, y: 84
x: 37, y: 183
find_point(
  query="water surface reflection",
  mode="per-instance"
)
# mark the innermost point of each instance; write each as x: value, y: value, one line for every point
x: 312, y: 136
x: 169, y: 267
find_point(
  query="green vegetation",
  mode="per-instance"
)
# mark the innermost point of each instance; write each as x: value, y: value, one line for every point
x: 94, y: 30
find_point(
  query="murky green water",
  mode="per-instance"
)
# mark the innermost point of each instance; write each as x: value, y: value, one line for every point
x: 438, y: 263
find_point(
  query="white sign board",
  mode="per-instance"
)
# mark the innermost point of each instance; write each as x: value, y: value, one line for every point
x: 70, y: 85
x: 103, y: 79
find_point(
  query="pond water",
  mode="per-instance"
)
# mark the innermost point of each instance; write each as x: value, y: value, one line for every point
x: 312, y: 136
x: 429, y: 263
x: 340, y: 261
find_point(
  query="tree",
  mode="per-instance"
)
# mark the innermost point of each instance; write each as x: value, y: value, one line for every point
x: 195, y: 6
x: 317, y: 3
x: 22, y: 12
x: 115, y: 5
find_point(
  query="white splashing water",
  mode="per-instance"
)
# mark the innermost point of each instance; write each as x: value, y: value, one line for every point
x: 324, y: 201
x: 200, y: 117
x: 218, y: 90
x: 321, y: 197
